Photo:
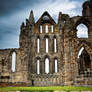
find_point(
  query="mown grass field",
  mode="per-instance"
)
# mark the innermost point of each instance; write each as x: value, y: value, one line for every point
x: 63, y: 88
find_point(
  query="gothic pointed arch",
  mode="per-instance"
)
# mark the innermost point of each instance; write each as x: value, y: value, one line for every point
x: 83, y: 44
x: 84, y: 61
x: 82, y: 31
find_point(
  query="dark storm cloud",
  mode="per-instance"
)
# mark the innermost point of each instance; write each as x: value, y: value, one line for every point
x: 10, y: 6
x: 14, y: 12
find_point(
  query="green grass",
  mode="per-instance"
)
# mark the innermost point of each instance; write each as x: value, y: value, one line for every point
x: 63, y: 88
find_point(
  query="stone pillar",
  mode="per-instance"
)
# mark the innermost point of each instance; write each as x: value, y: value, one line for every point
x: 53, y: 66
x: 42, y: 45
x: 50, y: 71
x: 51, y: 45
x: 59, y: 65
x: 42, y: 66
x: 34, y: 67
x: 44, y: 29
x: 67, y: 62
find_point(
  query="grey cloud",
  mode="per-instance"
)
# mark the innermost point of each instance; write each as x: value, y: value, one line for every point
x: 11, y: 6
x: 13, y: 12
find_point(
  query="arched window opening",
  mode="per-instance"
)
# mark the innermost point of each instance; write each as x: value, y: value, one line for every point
x: 46, y: 28
x: 38, y: 66
x: 13, y: 61
x: 82, y: 31
x: 46, y: 65
x: 52, y: 28
x: 56, y: 66
x: 40, y: 28
x: 38, y: 45
x: 47, y: 45
x: 55, y: 45
x: 84, y: 62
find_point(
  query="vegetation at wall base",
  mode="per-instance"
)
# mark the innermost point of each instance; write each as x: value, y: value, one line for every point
x: 63, y: 88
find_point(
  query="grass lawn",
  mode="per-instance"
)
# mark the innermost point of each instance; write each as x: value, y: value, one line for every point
x: 63, y: 88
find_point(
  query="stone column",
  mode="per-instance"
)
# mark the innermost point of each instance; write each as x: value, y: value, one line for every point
x: 59, y: 65
x: 49, y: 28
x: 67, y: 62
x: 34, y: 67
x: 53, y: 66
x: 50, y: 67
x: 51, y: 45
x: 42, y: 66
x: 42, y: 44
x: 44, y: 29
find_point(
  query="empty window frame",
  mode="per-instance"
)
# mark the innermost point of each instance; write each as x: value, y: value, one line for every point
x: 46, y: 28
x: 47, y: 45
x: 55, y: 45
x: 38, y: 66
x: 46, y: 65
x: 38, y: 45
x: 82, y: 31
x: 13, y: 62
x: 40, y: 28
x: 56, y: 68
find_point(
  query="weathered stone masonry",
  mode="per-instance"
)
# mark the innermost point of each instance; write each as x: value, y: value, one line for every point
x: 47, y: 44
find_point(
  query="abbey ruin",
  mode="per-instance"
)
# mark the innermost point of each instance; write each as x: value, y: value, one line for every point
x: 50, y: 53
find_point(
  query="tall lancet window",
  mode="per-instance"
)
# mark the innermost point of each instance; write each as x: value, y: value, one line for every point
x: 38, y: 66
x: 38, y: 45
x: 40, y: 28
x: 13, y: 62
x: 47, y: 45
x: 56, y: 68
x: 46, y: 65
x: 55, y: 45
x: 46, y: 28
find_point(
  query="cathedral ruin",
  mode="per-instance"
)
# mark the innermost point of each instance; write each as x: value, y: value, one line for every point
x: 50, y: 53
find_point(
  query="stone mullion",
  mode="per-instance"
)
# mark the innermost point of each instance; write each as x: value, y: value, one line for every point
x: 53, y: 65
x: 50, y: 71
x: 35, y: 63
x: 57, y: 44
x: 34, y: 67
x: 58, y: 65
x: 42, y: 66
x: 49, y: 28
x: 50, y: 45
x: 42, y: 45
x: 44, y: 29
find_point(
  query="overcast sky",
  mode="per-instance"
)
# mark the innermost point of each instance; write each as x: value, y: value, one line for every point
x: 14, y: 12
